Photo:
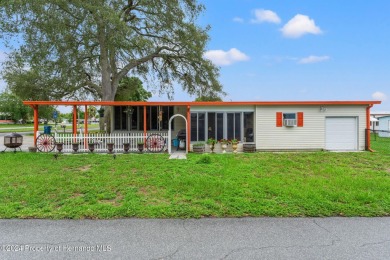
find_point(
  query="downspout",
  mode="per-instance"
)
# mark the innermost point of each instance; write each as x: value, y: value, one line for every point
x: 368, y: 138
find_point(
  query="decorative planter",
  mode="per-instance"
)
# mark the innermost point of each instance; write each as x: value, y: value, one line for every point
x: 60, y: 147
x: 249, y: 148
x: 140, y: 147
x: 110, y: 147
x: 234, y: 146
x: 75, y: 147
x: 223, y: 146
x: 32, y: 149
x: 198, y: 148
x: 91, y: 147
x: 126, y: 147
x: 211, y: 147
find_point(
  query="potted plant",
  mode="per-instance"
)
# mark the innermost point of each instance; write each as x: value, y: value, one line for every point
x: 110, y: 147
x: 198, y: 147
x: 126, y: 147
x: 211, y: 142
x: 224, y: 144
x: 140, y: 145
x: 75, y: 147
x: 91, y: 146
x: 60, y: 147
x: 32, y: 149
x: 234, y: 145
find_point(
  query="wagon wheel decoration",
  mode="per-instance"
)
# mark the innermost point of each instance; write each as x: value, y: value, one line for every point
x: 45, y: 143
x: 155, y: 143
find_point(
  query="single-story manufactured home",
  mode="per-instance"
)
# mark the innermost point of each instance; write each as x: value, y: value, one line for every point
x: 270, y: 126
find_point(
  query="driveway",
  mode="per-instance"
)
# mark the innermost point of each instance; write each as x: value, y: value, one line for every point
x: 244, y: 238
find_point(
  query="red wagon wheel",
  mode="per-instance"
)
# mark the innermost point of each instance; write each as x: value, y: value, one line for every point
x: 155, y: 143
x: 45, y: 143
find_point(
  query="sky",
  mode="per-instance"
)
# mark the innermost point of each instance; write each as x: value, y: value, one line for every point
x: 275, y: 50
x: 300, y: 50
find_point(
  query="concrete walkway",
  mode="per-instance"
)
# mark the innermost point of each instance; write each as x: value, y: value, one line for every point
x: 181, y: 155
x: 244, y: 238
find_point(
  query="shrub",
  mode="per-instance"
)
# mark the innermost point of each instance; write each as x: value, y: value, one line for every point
x: 204, y: 159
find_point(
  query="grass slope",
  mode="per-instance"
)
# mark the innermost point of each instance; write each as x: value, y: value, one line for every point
x: 35, y: 185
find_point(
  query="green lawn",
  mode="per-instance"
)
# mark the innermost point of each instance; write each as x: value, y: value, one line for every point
x: 35, y: 185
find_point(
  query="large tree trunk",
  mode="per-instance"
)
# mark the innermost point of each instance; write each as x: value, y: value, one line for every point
x: 107, y: 119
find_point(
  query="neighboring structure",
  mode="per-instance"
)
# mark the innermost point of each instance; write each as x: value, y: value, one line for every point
x: 384, y: 126
x: 374, y: 123
x: 271, y: 126
x: 375, y: 116
x: 378, y: 114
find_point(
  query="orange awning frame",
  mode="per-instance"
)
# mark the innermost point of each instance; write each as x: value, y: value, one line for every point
x: 195, y: 103
x: 189, y: 104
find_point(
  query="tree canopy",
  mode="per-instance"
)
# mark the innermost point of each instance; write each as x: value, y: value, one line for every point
x: 85, y: 47
x: 208, y: 98
x: 12, y: 106
x: 131, y: 89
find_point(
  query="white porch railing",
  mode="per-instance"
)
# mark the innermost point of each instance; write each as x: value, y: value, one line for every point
x: 101, y: 141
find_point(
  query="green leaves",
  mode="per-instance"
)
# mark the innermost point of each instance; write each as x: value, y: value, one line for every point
x: 77, y: 48
x: 13, y: 107
x: 131, y: 89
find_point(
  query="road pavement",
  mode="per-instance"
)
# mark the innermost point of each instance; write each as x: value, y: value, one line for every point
x: 243, y: 238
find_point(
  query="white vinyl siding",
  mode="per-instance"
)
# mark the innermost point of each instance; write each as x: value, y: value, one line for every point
x: 311, y: 136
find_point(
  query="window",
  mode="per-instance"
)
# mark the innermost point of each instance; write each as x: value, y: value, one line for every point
x: 248, y: 127
x: 120, y: 118
x: 234, y: 126
x: 211, y: 132
x: 167, y: 113
x: 134, y: 119
x: 215, y: 125
x: 198, y: 126
x: 289, y: 119
x: 219, y: 125
x: 153, y: 115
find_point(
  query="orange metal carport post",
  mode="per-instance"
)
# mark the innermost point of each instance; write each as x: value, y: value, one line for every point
x: 86, y: 127
x: 36, y: 123
x: 144, y: 125
x: 74, y: 123
x: 188, y: 129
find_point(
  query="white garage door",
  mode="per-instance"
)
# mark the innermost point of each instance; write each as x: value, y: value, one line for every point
x: 341, y: 133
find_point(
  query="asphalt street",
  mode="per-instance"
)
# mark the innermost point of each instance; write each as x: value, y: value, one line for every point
x: 208, y: 238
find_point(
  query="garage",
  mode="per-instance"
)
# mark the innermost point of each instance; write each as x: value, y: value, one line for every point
x: 341, y: 133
